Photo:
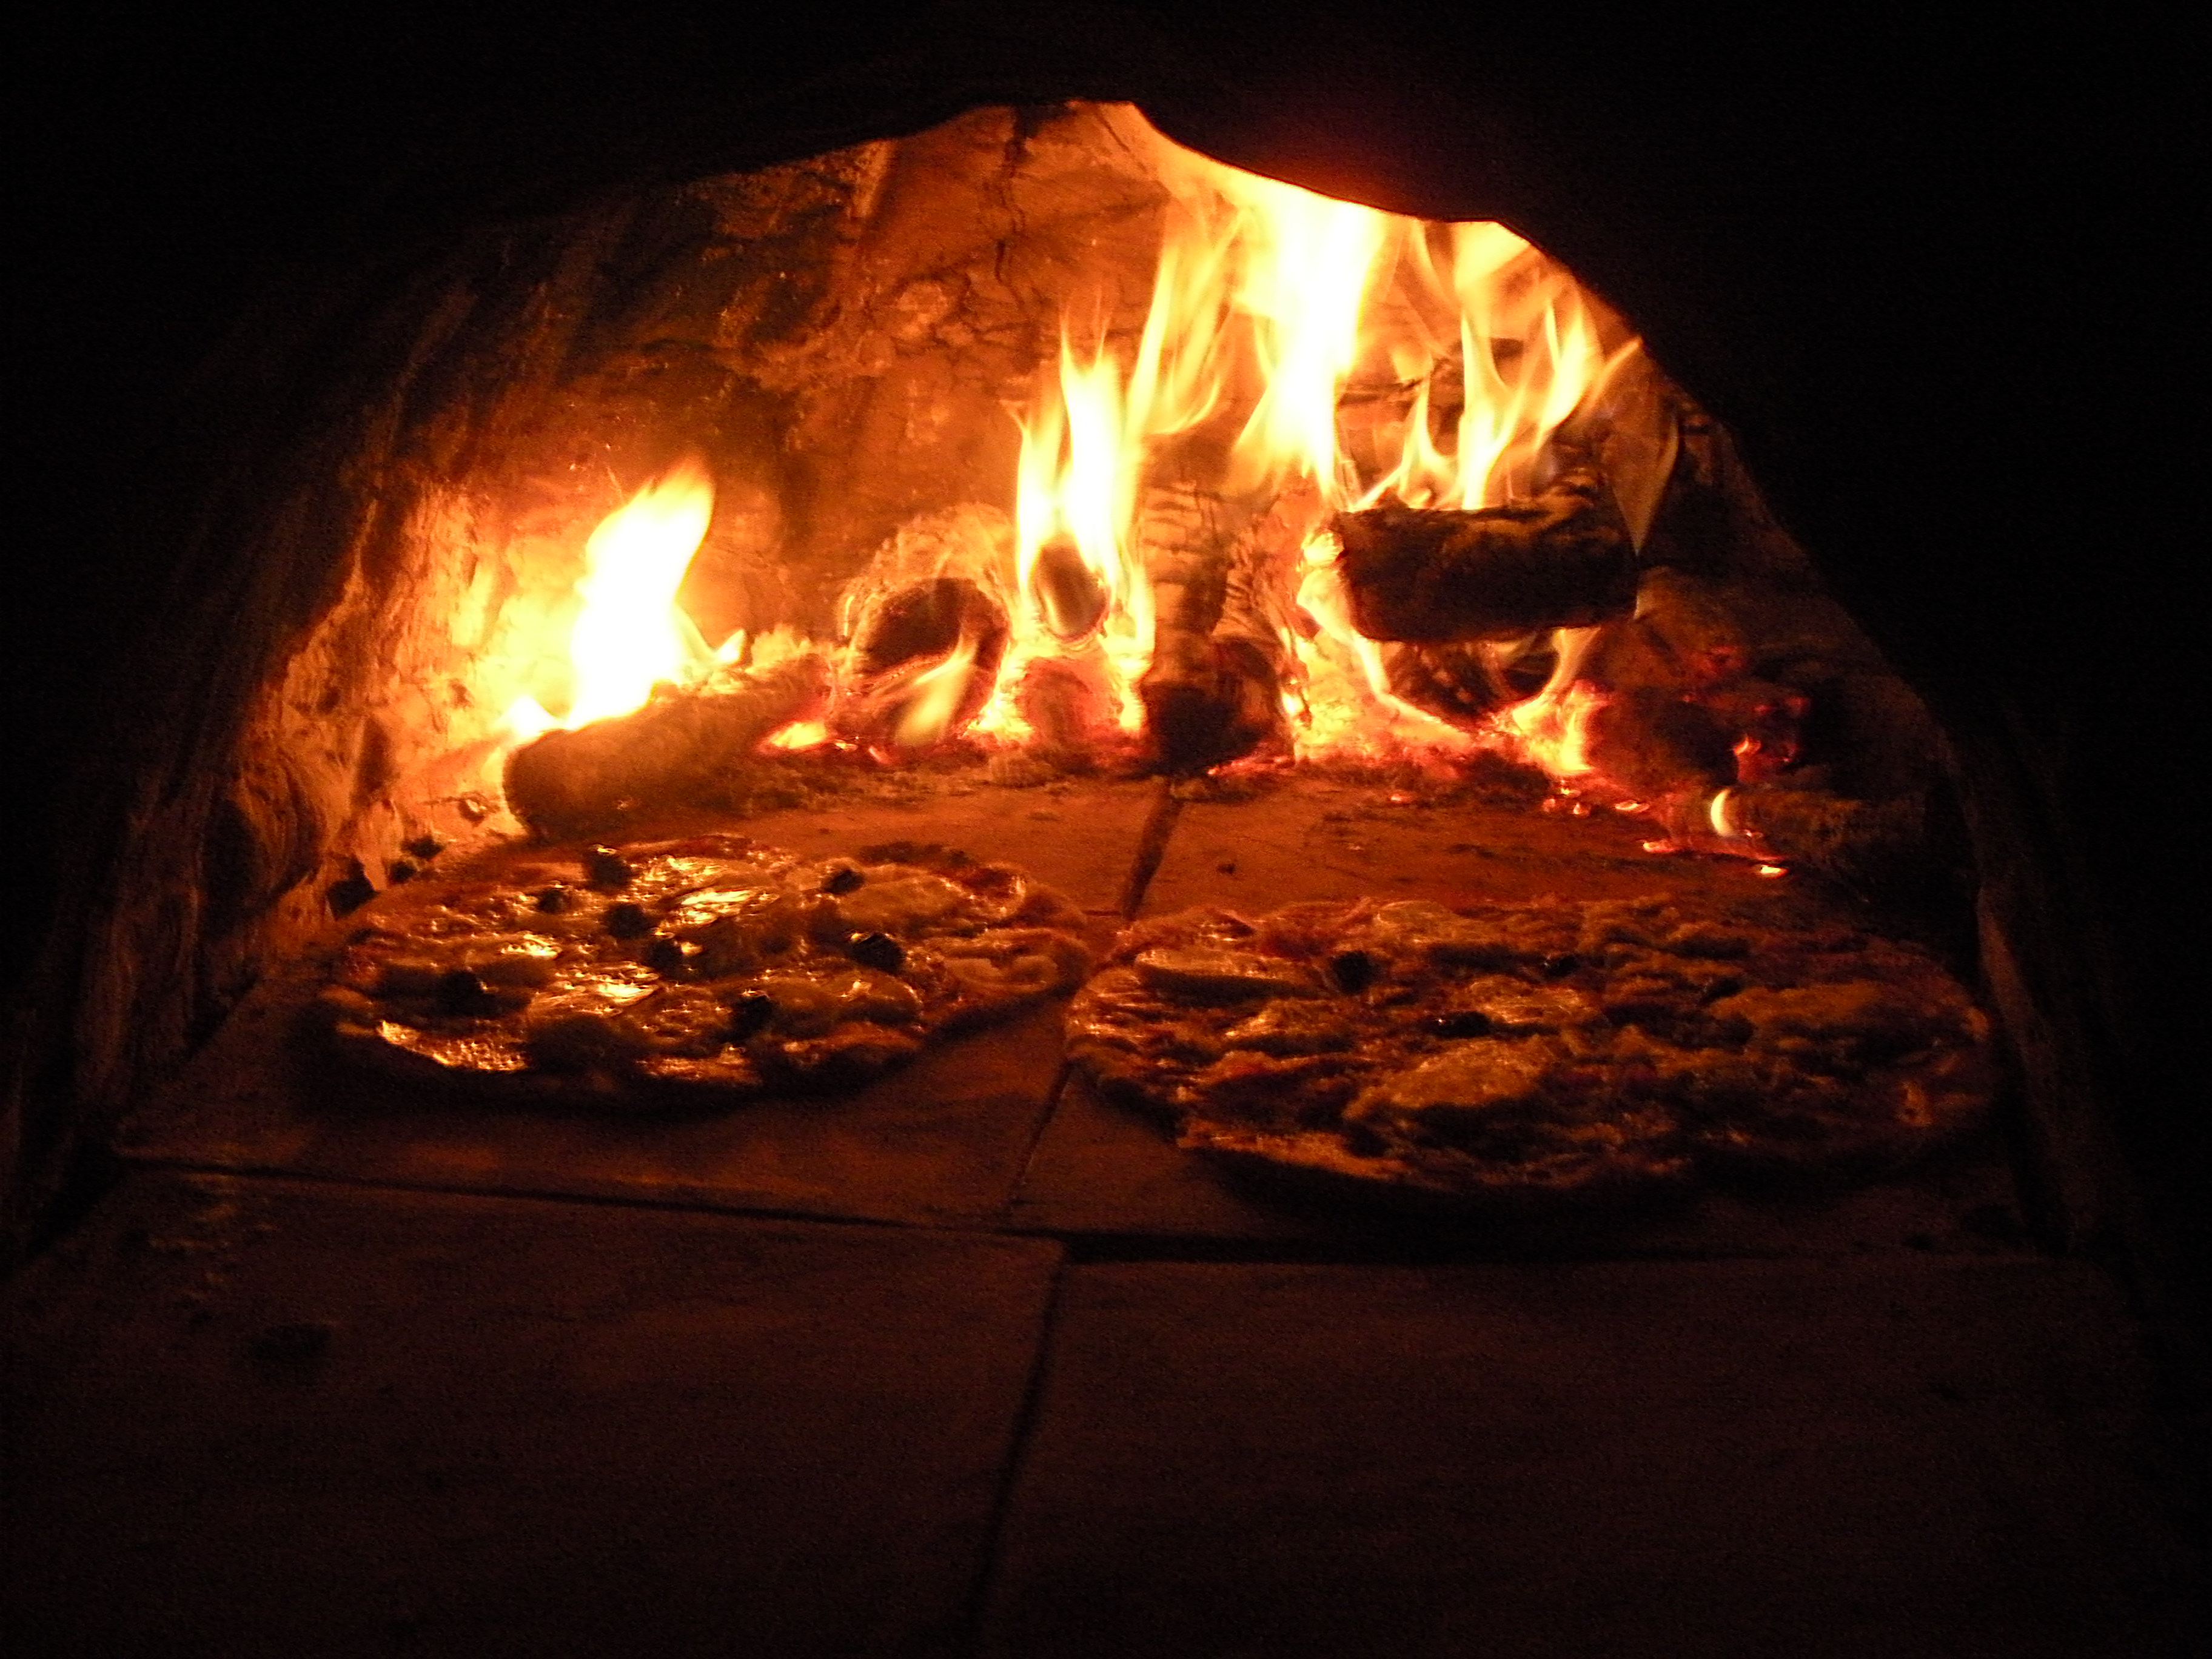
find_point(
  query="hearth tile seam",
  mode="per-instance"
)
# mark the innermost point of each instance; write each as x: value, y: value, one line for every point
x: 1088, y: 1248
x: 1085, y: 1248
x: 968, y: 1629
x: 980, y: 1226
x: 1144, y: 860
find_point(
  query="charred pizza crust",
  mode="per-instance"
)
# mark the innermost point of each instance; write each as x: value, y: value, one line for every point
x: 1528, y: 1054
x: 709, y: 969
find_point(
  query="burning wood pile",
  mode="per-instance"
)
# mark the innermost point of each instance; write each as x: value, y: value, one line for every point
x: 1341, y: 489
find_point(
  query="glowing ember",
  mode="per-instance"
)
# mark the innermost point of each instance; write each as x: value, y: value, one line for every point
x: 799, y: 735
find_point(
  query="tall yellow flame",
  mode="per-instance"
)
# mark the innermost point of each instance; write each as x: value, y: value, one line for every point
x: 631, y: 635
x: 1303, y: 279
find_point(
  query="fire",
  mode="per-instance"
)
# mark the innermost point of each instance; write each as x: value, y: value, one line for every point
x: 1083, y: 594
x: 933, y: 697
x: 1513, y: 306
x: 1345, y: 705
x: 1552, y: 730
x: 1268, y: 302
x: 631, y: 635
x: 1305, y: 280
x: 1296, y: 357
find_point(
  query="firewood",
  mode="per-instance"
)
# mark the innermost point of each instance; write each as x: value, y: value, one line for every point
x: 905, y: 642
x: 680, y: 748
x: 1065, y: 703
x: 1211, y: 693
x: 1695, y: 626
x: 1427, y: 575
x: 1650, y: 744
x: 1871, y: 846
x: 1070, y: 599
x: 928, y: 620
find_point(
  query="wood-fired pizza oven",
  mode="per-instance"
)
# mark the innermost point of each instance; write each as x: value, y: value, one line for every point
x: 986, y: 436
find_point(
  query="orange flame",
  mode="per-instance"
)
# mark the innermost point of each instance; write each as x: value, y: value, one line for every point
x: 1268, y: 302
x: 933, y: 697
x: 1552, y: 729
x: 631, y: 635
x: 1077, y: 482
x: 1297, y: 356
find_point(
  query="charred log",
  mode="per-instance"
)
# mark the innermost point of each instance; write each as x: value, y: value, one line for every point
x: 1872, y: 846
x: 681, y: 749
x: 1652, y: 744
x: 1427, y: 577
x: 1070, y: 599
x: 923, y: 665
x: 1211, y: 693
x: 927, y: 620
x: 1066, y: 706
x: 1692, y: 629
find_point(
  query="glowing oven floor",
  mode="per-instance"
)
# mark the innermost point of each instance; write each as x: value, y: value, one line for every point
x: 972, y: 1135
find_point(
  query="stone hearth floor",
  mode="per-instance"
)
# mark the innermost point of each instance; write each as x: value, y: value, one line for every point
x: 250, y: 1415
x: 967, y: 1366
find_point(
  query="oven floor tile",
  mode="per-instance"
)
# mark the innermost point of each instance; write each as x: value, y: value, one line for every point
x: 260, y: 1418
x: 1101, y: 1172
x: 941, y: 1142
x: 1688, y: 1460
x: 1311, y: 838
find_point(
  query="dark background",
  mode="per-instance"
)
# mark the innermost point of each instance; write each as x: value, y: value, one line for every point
x: 1930, y: 272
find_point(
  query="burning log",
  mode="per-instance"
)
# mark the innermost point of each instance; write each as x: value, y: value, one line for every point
x: 1872, y: 844
x: 923, y: 663
x: 683, y: 748
x: 928, y: 620
x: 1211, y: 695
x: 1065, y: 703
x: 1428, y: 576
x: 1463, y: 680
x: 1070, y: 599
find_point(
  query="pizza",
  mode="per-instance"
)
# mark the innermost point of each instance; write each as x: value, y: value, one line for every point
x: 1530, y: 1053
x: 707, y: 969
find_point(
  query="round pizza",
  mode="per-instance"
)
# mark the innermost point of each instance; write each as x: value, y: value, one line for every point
x: 709, y: 969
x: 1526, y: 1054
